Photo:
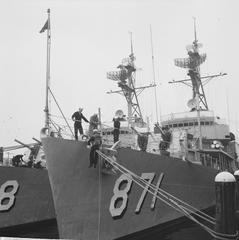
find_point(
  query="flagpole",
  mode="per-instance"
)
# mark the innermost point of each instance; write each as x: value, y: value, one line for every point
x: 47, y: 121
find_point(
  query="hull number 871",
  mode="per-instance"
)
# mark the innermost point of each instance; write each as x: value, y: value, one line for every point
x: 120, y: 196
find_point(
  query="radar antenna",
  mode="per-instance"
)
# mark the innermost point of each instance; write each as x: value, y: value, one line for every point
x: 192, y: 63
x: 125, y: 78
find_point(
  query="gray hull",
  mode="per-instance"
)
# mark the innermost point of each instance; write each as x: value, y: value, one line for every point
x: 83, y: 197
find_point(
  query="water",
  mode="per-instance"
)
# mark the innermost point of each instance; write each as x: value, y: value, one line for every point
x: 183, y: 231
x: 46, y: 229
x: 186, y: 231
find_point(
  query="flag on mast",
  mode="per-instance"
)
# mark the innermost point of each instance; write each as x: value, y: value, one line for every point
x: 45, y: 27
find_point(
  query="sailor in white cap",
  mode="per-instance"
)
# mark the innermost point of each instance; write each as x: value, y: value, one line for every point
x: 77, y: 118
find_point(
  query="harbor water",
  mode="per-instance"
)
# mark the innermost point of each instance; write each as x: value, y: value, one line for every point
x: 185, y: 231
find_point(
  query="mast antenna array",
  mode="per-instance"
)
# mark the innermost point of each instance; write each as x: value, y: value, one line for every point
x: 192, y: 63
x: 125, y: 78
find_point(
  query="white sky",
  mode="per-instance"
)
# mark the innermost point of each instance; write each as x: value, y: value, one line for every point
x: 90, y: 38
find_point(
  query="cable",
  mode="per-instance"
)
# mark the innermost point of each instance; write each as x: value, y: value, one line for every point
x: 172, y: 203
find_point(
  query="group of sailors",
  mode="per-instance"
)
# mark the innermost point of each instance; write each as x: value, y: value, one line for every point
x: 19, y: 161
x: 95, y: 139
x: 78, y: 116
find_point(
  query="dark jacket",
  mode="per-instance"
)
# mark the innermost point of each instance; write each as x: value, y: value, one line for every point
x: 95, y: 140
x: 116, y: 123
x: 77, y: 116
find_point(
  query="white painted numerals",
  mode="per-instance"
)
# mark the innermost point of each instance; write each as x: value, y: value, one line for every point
x: 8, y: 196
x: 152, y: 206
x: 120, y: 196
x: 149, y: 177
x: 119, y: 200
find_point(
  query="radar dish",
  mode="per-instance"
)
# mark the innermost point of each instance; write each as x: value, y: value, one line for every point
x: 199, y: 45
x: 192, y: 103
x: 119, y: 113
x: 189, y: 47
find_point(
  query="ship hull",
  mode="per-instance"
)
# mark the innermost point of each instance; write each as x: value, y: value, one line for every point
x: 88, y: 202
x: 26, y: 198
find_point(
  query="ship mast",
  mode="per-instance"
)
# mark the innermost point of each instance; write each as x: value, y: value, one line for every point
x: 153, y: 68
x: 198, y: 102
x: 47, y: 27
x: 125, y: 78
x: 131, y: 80
x: 192, y: 63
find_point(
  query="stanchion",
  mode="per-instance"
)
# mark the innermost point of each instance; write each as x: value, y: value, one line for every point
x: 225, y: 203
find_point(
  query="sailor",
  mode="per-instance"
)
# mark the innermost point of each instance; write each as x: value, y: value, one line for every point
x: 116, y: 130
x: 166, y: 137
x: 137, y: 119
x: 17, y: 160
x: 95, y: 142
x: 94, y: 122
x: 77, y: 117
x: 143, y: 141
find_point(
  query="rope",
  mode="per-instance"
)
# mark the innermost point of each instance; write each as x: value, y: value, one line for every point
x: 61, y: 111
x: 153, y: 187
x: 167, y: 195
x: 99, y: 203
x: 55, y: 125
x: 172, y: 203
x: 57, y: 116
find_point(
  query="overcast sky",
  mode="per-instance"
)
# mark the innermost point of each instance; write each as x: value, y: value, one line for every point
x: 91, y: 37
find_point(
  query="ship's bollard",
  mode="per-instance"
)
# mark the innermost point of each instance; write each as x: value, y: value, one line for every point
x: 225, y: 203
x: 236, y: 175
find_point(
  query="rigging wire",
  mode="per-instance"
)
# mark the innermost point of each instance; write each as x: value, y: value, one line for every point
x: 61, y: 111
x: 99, y: 186
x: 155, y: 93
x: 172, y: 203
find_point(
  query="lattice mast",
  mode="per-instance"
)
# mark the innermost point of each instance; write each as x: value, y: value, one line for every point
x: 126, y: 81
x: 192, y: 63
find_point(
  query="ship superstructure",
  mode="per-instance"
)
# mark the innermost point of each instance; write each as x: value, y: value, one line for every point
x: 199, y: 135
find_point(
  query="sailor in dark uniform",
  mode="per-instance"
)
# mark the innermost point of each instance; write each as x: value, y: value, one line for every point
x: 17, y: 160
x: 95, y: 142
x: 77, y: 118
x: 116, y: 130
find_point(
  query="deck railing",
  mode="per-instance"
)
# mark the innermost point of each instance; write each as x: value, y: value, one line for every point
x: 192, y: 115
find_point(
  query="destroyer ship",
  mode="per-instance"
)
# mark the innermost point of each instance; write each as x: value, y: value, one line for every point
x: 26, y: 203
x: 146, y: 181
